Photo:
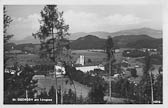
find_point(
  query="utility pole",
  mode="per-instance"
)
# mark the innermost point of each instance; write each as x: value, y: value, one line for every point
x: 61, y: 87
x: 56, y: 95
x: 52, y: 32
x: 26, y: 93
x: 110, y: 77
x: 111, y: 56
x: 151, y: 87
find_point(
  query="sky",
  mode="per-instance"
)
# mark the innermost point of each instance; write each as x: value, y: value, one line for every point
x: 87, y: 18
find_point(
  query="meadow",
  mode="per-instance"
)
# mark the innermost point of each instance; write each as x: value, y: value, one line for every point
x: 34, y: 59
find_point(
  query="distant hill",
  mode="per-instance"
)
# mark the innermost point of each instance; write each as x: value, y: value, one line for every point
x: 147, y: 31
x: 146, y: 43
x: 88, y: 42
x: 124, y: 40
x: 99, y: 34
x: 28, y: 39
x: 94, y: 42
x: 131, y: 41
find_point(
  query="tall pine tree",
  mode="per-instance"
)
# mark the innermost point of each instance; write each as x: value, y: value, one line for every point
x: 109, y: 48
x: 6, y: 22
x: 52, y: 34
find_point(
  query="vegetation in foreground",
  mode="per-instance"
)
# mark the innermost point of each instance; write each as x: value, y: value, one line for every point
x: 21, y: 85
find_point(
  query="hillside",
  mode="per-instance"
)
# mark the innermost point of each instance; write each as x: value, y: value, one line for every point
x: 146, y: 43
x: 88, y: 42
x: 123, y: 41
x: 99, y: 34
x: 103, y: 35
x: 94, y: 42
x: 147, y: 31
x: 28, y: 39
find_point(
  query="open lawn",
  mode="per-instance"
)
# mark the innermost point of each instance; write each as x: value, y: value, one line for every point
x: 47, y: 82
x: 30, y: 59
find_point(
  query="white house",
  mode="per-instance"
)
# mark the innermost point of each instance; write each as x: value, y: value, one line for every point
x: 89, y: 68
x: 60, y: 70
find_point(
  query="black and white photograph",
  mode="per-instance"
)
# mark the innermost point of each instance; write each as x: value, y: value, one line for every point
x: 83, y: 53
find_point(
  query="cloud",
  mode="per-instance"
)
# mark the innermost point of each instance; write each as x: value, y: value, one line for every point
x: 78, y: 21
x: 88, y: 22
x: 81, y: 21
x: 31, y: 20
x: 118, y: 19
x: 24, y: 26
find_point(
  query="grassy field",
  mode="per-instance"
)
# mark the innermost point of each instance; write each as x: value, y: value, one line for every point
x: 47, y: 82
x: 34, y: 59
x: 96, y: 57
x: 30, y: 59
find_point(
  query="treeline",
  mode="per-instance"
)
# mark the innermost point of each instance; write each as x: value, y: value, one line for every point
x: 138, y: 93
x: 93, y: 42
x: 43, y: 67
x: 146, y: 43
x: 133, y: 53
x: 97, y: 84
x: 16, y: 85
x: 122, y: 41
x: 84, y: 78
x: 69, y: 97
x: 28, y: 47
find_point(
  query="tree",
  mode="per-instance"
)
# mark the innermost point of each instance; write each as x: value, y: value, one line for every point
x: 96, y: 95
x: 133, y: 72
x: 7, y: 20
x: 81, y: 100
x: 108, y: 46
x: 52, y: 33
x: 70, y: 98
x: 110, y: 56
x: 43, y: 95
x: 145, y: 88
x: 52, y: 94
x: 98, y: 89
x: 124, y: 88
x: 89, y: 60
x: 158, y: 88
x: 19, y: 84
x: 69, y: 69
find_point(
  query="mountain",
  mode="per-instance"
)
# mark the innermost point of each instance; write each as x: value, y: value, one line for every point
x: 74, y: 36
x: 88, y: 42
x: 28, y: 39
x: 122, y: 41
x: 100, y: 34
x: 94, y: 42
x: 146, y: 43
x: 147, y: 31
